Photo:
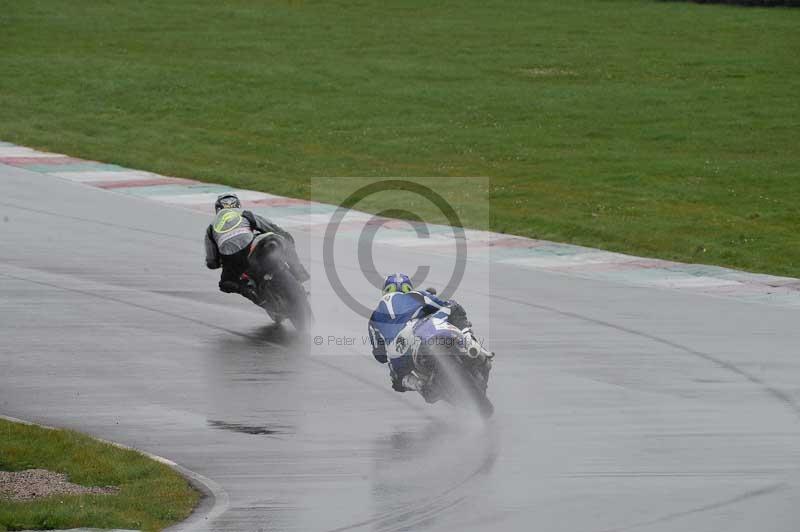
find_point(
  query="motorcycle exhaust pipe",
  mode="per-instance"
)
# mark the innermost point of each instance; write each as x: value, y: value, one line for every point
x: 476, y: 350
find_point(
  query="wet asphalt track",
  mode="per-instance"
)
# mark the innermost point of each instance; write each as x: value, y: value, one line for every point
x: 618, y: 408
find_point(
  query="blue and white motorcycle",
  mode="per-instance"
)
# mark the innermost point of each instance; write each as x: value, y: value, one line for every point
x: 450, y: 364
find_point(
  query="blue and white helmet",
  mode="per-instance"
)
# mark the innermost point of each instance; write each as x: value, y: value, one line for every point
x: 397, y: 282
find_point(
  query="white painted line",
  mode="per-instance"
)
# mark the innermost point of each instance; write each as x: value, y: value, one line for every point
x: 414, y: 241
x: 18, y: 151
x: 206, y: 198
x: 106, y: 175
x: 692, y: 282
x: 562, y: 261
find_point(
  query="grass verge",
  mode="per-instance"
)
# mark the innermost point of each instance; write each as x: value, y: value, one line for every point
x: 655, y: 128
x: 151, y: 497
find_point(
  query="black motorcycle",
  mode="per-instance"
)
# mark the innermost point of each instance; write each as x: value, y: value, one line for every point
x: 453, y: 365
x: 273, y: 285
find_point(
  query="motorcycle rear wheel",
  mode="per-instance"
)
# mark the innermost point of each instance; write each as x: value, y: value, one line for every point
x: 299, y: 309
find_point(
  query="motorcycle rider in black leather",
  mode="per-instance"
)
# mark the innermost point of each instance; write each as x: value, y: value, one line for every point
x: 228, y: 240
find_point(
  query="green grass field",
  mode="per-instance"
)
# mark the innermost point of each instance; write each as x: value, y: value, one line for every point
x: 152, y: 496
x: 656, y: 128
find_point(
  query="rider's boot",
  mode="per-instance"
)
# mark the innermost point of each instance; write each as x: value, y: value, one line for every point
x: 413, y: 382
x: 249, y: 289
x: 417, y: 384
x: 229, y: 287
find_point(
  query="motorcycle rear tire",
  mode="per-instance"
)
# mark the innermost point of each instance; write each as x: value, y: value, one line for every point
x: 299, y: 311
x: 485, y: 407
